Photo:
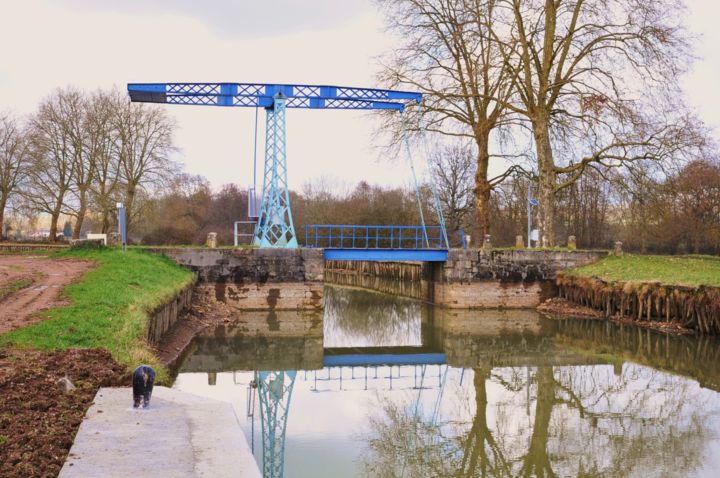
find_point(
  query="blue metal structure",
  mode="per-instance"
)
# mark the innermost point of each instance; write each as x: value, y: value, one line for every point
x: 275, y: 227
x: 417, y: 255
x: 342, y: 236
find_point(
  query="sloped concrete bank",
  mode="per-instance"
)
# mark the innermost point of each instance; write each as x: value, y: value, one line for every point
x: 694, y: 308
x: 179, y: 435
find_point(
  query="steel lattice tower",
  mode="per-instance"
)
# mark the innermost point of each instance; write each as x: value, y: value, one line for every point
x: 275, y: 225
x: 275, y: 390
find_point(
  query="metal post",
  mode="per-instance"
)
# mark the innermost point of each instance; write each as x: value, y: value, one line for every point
x: 122, y: 225
x: 529, y: 215
x: 275, y: 225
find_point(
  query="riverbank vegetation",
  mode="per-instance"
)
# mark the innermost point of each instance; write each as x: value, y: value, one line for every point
x: 108, y: 308
x: 691, y: 271
x: 677, y: 292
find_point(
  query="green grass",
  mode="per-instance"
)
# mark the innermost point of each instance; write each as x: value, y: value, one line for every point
x: 670, y: 270
x: 7, y: 289
x: 108, y: 307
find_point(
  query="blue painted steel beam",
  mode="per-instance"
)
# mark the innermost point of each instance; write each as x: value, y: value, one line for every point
x: 359, y: 360
x: 262, y: 94
x: 422, y: 255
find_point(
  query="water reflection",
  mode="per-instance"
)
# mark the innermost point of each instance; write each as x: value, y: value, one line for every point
x: 515, y: 394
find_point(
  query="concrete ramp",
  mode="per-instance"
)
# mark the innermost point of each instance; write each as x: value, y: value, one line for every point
x: 179, y: 435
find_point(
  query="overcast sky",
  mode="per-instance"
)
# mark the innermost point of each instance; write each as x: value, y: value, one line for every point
x: 105, y: 43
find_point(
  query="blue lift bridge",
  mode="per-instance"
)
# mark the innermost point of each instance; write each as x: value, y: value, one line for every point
x: 274, y: 226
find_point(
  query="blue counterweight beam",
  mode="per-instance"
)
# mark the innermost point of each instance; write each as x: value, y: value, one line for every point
x: 275, y: 390
x: 275, y: 225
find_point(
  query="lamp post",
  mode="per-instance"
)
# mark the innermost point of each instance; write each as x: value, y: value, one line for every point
x: 122, y: 225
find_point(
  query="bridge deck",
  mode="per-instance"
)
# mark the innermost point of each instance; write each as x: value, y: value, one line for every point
x: 420, y: 255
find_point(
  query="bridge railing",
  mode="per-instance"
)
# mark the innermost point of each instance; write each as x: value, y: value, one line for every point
x: 373, y: 237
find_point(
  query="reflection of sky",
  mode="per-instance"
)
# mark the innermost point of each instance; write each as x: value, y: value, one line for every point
x: 645, y: 416
x: 629, y: 421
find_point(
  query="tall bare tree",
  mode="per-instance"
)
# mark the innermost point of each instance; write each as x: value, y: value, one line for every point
x: 452, y: 167
x: 14, y: 162
x: 143, y: 143
x: 53, y: 151
x: 594, y: 70
x: 447, y: 54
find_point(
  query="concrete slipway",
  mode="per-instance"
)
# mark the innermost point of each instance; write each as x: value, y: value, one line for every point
x: 179, y: 435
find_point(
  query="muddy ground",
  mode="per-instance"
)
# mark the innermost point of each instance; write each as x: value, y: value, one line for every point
x: 46, y: 278
x: 38, y: 419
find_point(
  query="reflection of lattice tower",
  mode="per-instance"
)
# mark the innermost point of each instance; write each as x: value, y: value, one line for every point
x: 275, y: 389
x: 275, y: 225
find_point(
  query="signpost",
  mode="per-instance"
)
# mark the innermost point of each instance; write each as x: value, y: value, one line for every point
x: 531, y: 201
x: 122, y: 225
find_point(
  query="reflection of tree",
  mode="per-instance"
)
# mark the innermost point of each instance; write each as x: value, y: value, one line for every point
x: 480, y: 445
x: 586, y: 421
x: 363, y: 317
x: 537, y: 462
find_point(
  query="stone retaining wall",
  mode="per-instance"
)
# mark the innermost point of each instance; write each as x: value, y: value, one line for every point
x: 255, y: 279
x: 12, y: 247
x: 167, y: 314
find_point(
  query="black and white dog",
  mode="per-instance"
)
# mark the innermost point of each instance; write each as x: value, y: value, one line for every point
x: 143, y: 379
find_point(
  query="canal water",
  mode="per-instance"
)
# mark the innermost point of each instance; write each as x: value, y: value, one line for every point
x: 382, y: 386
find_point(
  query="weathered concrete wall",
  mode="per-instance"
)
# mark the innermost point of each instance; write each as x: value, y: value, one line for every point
x: 502, y: 278
x: 264, y: 296
x: 489, y: 294
x: 513, y: 265
x: 166, y: 315
x: 249, y: 265
x: 256, y: 279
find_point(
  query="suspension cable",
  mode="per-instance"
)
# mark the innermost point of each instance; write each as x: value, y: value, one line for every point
x: 433, y: 187
x: 408, y: 154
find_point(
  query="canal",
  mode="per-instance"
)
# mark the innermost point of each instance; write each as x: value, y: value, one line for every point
x: 383, y: 386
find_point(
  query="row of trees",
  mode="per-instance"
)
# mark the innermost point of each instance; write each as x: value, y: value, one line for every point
x: 79, y: 154
x: 560, y: 88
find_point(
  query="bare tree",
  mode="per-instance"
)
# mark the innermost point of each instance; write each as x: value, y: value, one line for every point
x: 53, y: 151
x: 453, y: 166
x: 446, y: 53
x: 587, y: 69
x: 14, y: 160
x: 143, y: 143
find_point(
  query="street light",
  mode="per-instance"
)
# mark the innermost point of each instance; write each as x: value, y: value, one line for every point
x: 122, y: 225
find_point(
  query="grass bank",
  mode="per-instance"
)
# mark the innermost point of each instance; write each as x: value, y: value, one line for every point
x: 108, y: 308
x: 691, y: 271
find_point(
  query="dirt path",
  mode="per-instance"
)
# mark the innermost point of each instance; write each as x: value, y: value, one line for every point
x: 48, y: 276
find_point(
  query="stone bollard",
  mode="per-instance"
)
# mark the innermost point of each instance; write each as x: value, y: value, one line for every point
x: 211, y: 240
x: 487, y: 243
x: 519, y: 242
x: 618, y: 249
x: 572, y: 244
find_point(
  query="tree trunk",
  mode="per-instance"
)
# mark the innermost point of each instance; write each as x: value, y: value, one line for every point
x: 81, y: 214
x: 546, y: 186
x: 52, y: 238
x: 129, y: 202
x: 3, y: 203
x: 105, y: 221
x: 482, y: 192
